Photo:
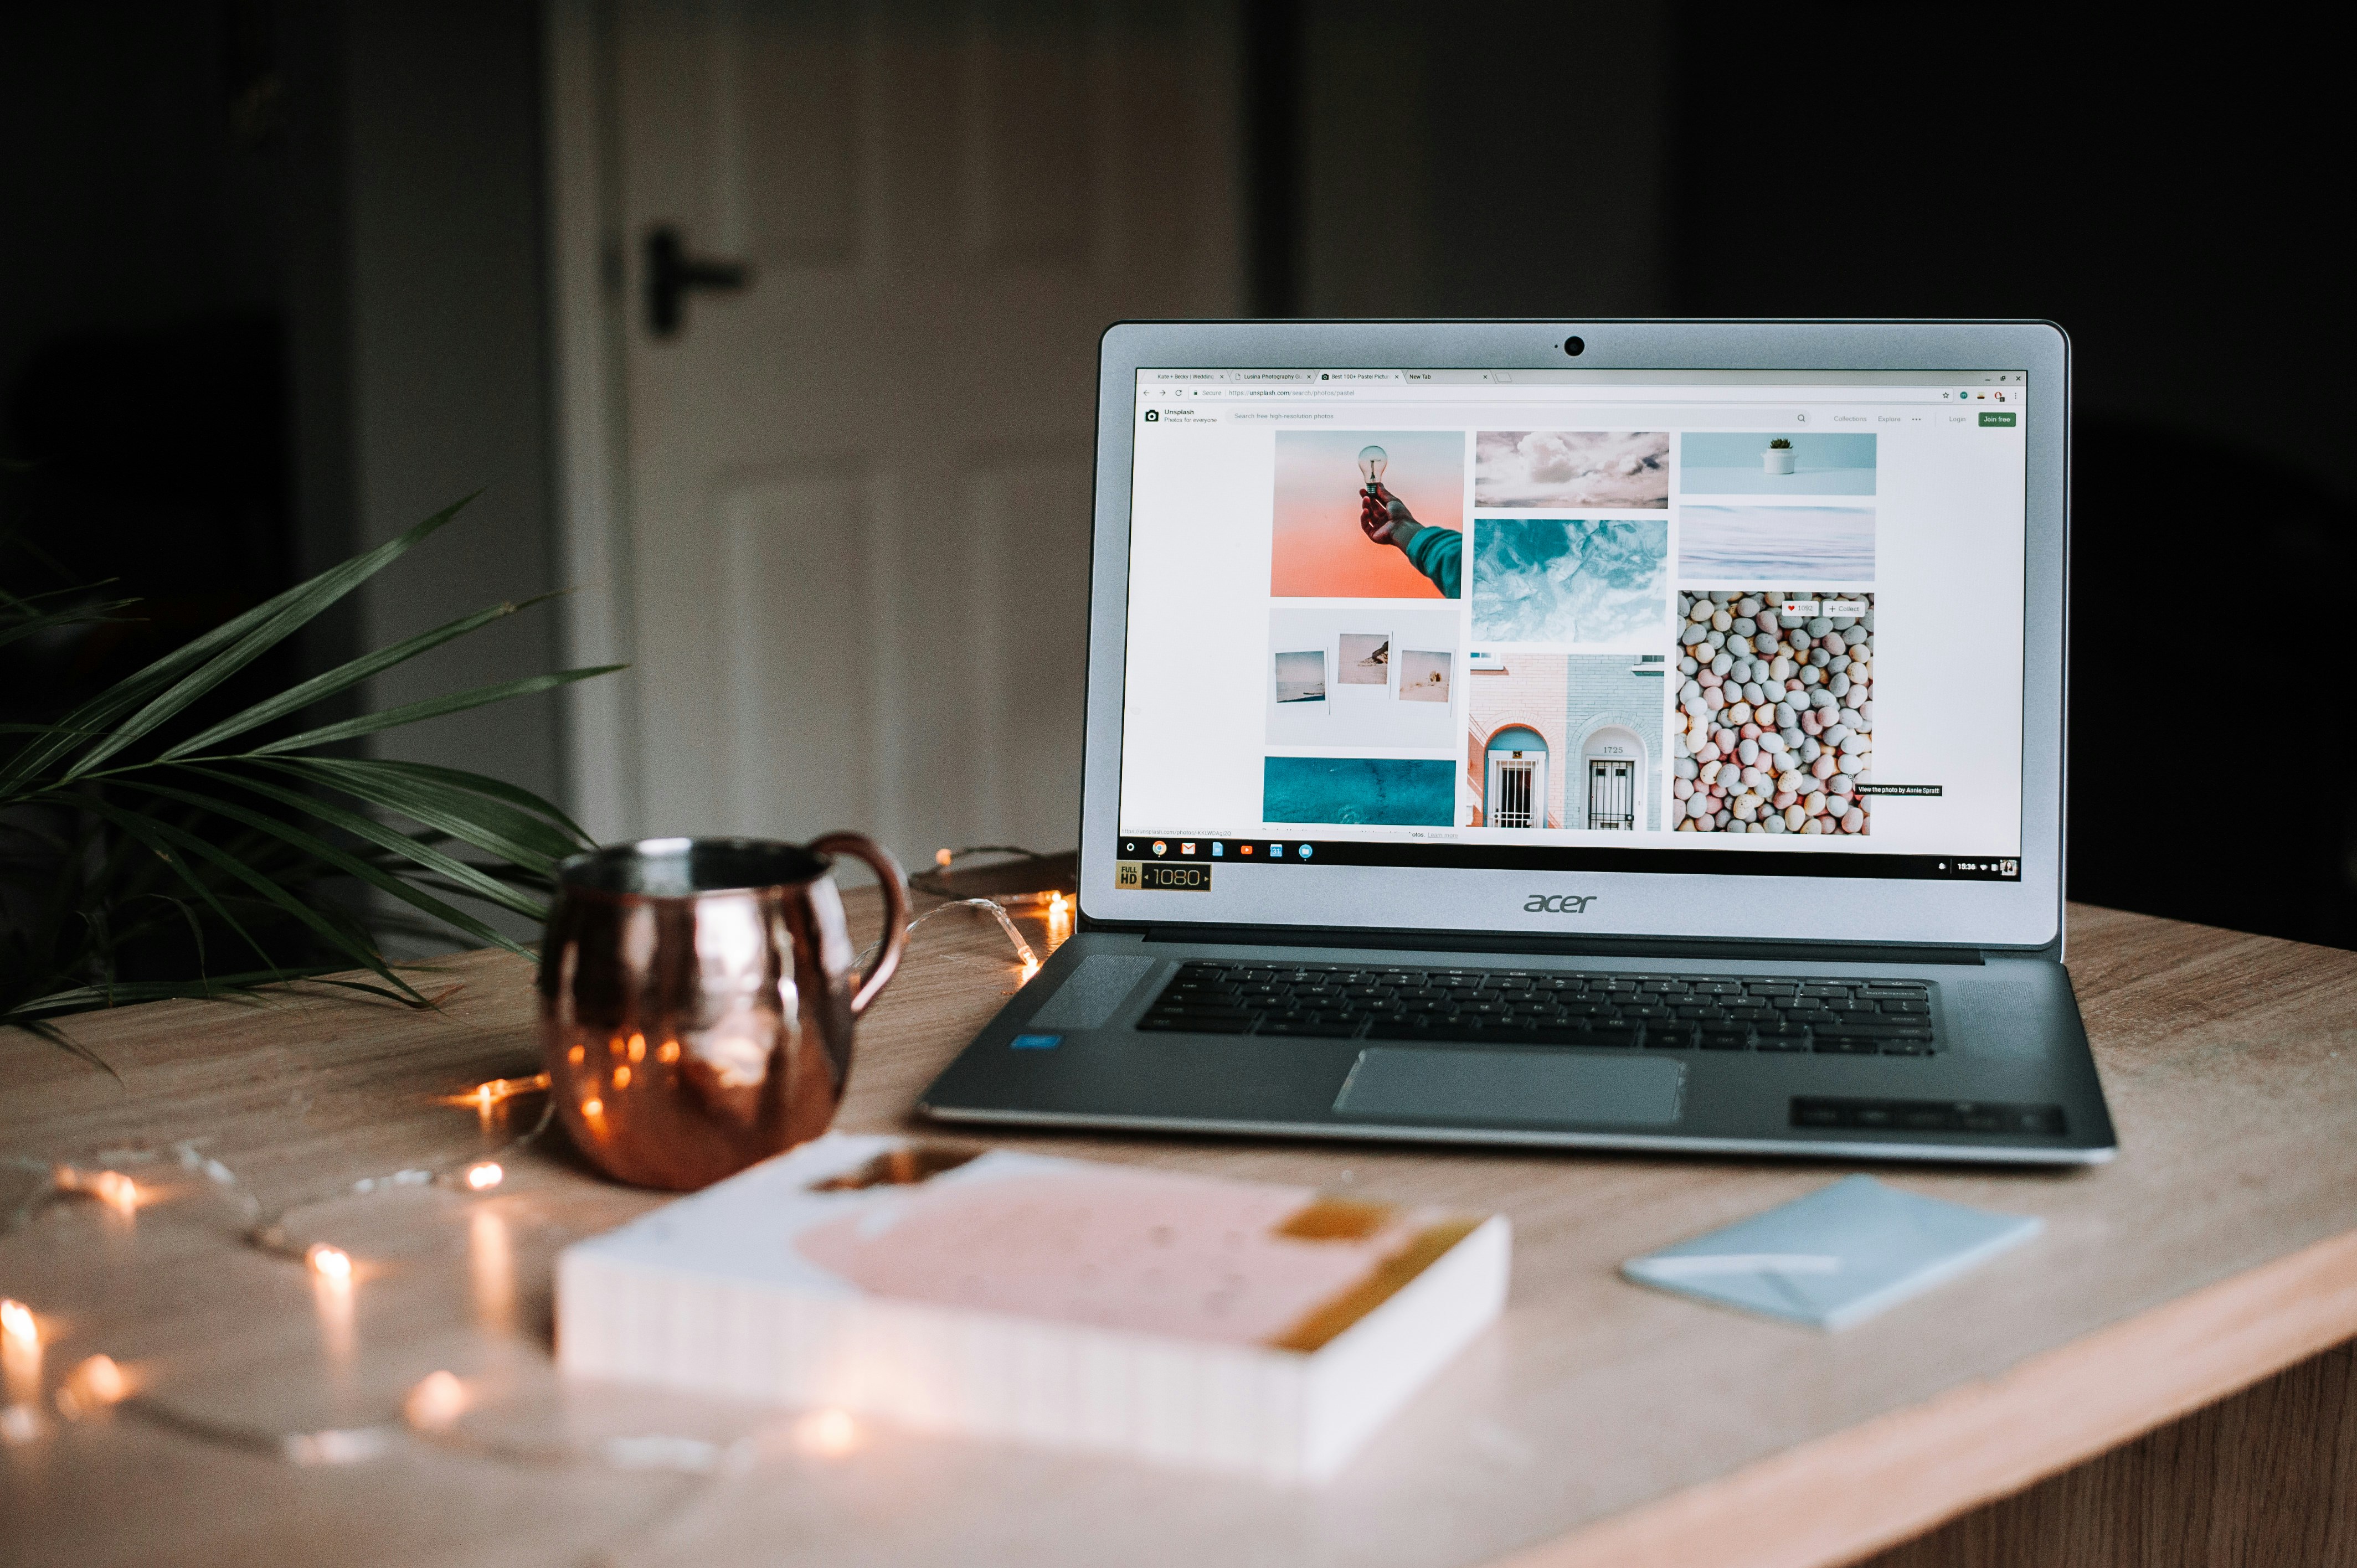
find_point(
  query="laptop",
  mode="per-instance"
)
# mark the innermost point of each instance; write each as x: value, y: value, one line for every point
x: 1611, y: 734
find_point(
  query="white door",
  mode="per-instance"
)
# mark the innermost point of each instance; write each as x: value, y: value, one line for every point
x: 1612, y: 795
x: 844, y: 542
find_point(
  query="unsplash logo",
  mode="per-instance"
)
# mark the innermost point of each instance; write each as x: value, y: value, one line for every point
x: 1153, y: 416
x: 1558, y: 904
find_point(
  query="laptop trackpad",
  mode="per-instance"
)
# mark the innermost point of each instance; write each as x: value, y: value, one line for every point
x: 1525, y: 1088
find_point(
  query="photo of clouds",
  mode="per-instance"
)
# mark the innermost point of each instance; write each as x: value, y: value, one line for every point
x: 1726, y: 463
x: 1610, y: 469
x: 1561, y: 580
x: 1749, y: 543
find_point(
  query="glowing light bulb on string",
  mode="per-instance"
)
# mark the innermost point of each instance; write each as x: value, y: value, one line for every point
x: 827, y: 1432
x: 438, y: 1399
x: 16, y: 1324
x: 113, y: 1188
x: 93, y: 1385
x: 1372, y: 461
x: 20, y: 1358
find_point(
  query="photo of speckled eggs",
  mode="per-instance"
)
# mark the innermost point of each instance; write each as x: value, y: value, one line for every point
x: 1774, y: 727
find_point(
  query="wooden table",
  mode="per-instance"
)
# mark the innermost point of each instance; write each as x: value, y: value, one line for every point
x: 1598, y: 1424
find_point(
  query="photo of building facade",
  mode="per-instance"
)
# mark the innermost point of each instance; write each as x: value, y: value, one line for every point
x: 1563, y: 741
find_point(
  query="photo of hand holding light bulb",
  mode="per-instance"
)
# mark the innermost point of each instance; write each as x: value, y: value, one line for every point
x: 1367, y: 514
x: 1386, y: 519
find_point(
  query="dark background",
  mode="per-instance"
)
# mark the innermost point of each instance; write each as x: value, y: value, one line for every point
x: 272, y: 287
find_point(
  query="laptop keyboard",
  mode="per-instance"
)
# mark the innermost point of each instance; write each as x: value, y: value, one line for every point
x: 1532, y: 1007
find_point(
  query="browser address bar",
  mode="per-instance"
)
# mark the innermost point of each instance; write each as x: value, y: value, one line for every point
x: 1558, y: 394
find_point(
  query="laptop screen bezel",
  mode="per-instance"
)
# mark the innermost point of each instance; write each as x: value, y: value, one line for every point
x: 1458, y: 902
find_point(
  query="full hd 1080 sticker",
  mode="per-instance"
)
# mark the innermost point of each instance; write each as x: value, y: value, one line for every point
x: 1150, y: 876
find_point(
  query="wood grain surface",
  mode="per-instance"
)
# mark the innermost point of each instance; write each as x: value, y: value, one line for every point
x: 1597, y: 1423
x: 2267, y: 1478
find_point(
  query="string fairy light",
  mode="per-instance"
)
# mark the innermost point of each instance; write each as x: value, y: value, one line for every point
x: 20, y: 1372
x: 491, y: 1094
x: 434, y: 1408
x: 113, y: 1188
x: 1023, y: 953
x: 92, y: 1386
x: 16, y: 1324
x: 827, y: 1432
x: 436, y: 1403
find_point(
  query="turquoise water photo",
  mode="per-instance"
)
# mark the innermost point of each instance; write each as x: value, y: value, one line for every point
x: 1561, y: 581
x: 1387, y: 791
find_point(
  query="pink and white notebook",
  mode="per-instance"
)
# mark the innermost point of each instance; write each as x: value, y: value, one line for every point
x: 1240, y: 1326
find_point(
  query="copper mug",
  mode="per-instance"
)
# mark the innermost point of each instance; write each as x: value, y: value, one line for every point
x: 697, y: 998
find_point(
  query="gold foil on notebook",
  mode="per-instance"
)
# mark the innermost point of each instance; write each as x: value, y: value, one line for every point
x: 1328, y: 1320
x: 1336, y: 1219
x: 904, y: 1166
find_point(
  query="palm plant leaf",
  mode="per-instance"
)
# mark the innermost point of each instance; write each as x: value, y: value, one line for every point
x: 577, y: 837
x: 466, y: 814
x: 295, y: 699
x: 31, y: 619
x: 466, y: 877
x: 117, y: 842
x: 165, y: 837
x: 429, y: 708
x: 239, y: 642
x: 218, y: 988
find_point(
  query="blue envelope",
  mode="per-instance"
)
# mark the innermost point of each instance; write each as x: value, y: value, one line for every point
x: 1836, y: 1257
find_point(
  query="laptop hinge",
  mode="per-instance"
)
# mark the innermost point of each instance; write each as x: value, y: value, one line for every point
x: 1638, y: 947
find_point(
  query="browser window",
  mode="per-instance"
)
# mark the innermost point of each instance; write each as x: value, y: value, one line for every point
x: 1617, y: 620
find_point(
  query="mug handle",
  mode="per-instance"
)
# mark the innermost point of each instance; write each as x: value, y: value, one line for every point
x: 896, y: 909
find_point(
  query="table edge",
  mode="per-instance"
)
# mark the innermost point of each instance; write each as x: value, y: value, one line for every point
x: 1846, y: 1496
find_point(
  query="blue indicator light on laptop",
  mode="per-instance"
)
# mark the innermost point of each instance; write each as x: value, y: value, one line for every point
x: 1036, y: 1042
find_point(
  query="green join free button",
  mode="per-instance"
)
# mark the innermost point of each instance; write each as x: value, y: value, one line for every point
x: 1996, y: 418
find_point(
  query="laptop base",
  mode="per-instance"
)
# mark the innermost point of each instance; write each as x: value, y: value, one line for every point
x: 2009, y: 1080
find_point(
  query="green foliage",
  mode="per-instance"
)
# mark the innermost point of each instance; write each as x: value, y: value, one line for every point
x: 117, y: 830
x: 1780, y: 445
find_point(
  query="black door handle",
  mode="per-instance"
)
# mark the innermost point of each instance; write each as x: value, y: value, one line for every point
x: 671, y: 272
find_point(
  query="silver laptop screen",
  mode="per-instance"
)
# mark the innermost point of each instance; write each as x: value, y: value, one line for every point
x: 1610, y: 621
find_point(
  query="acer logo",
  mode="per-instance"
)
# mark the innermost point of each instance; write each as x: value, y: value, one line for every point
x: 1558, y: 904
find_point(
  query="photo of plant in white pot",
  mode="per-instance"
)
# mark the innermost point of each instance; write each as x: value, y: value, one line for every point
x: 1778, y: 458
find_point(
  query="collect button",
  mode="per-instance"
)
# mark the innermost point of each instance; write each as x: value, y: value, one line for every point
x: 1987, y: 419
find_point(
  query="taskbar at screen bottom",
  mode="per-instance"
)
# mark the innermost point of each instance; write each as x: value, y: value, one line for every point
x: 1183, y: 848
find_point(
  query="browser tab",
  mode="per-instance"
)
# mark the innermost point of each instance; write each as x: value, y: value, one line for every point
x: 1394, y: 377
